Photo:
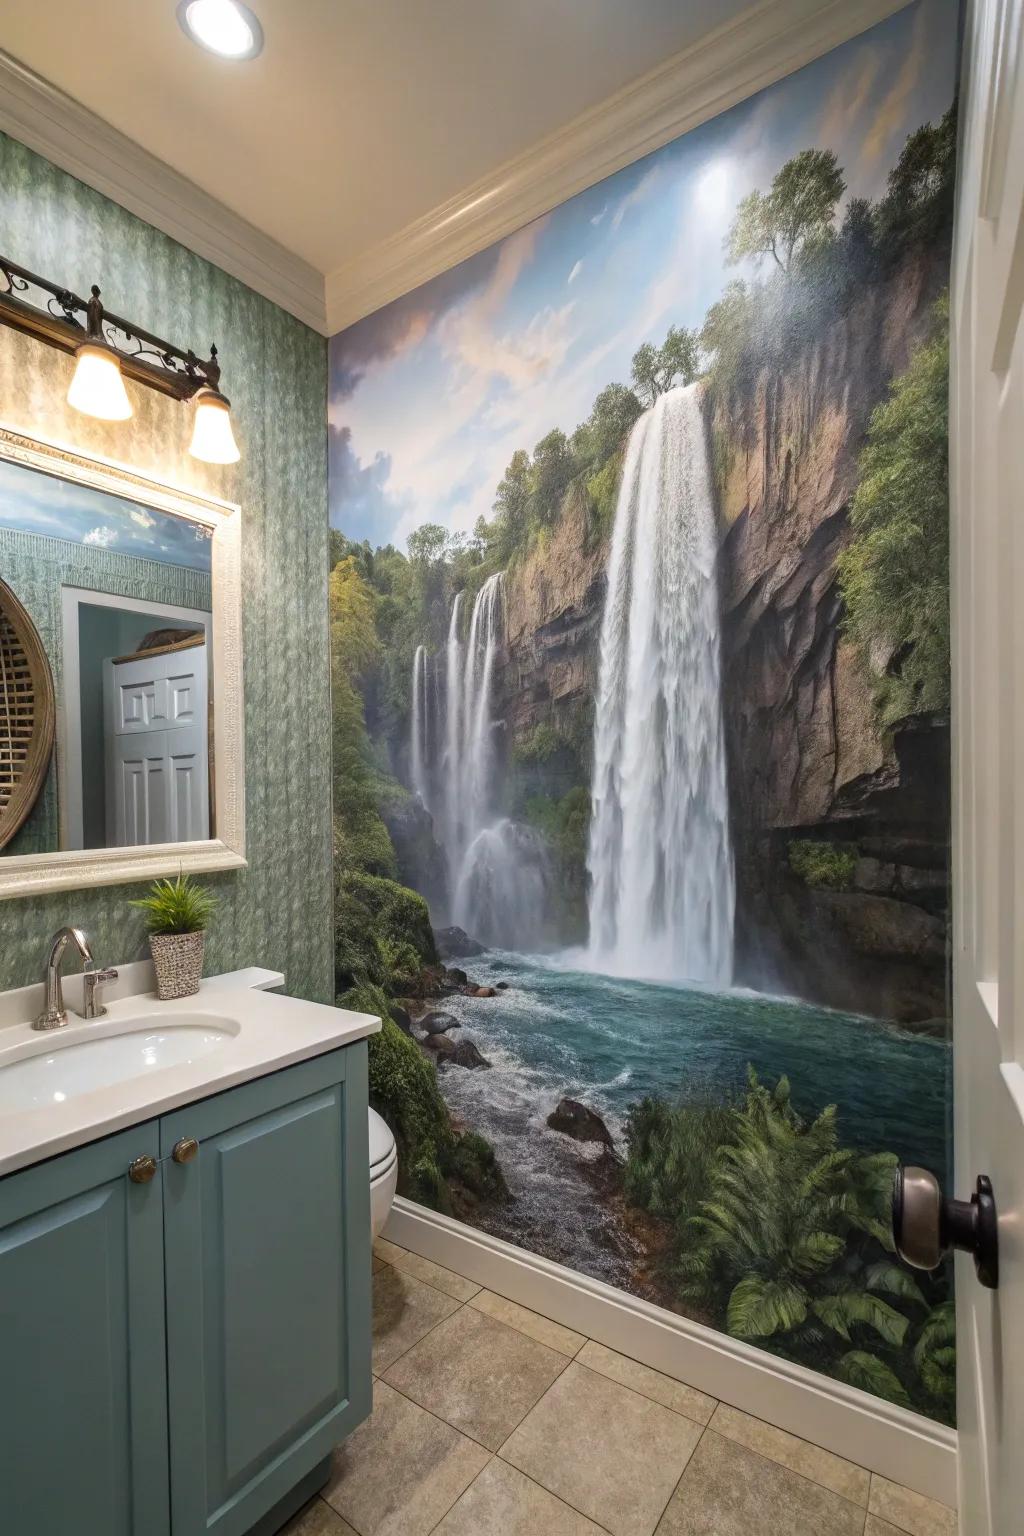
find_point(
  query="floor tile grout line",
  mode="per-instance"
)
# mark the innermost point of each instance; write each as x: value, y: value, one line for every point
x: 802, y: 1440
x: 704, y: 1423
x: 770, y: 1460
x: 429, y: 1331
x: 678, y: 1482
x: 584, y: 1338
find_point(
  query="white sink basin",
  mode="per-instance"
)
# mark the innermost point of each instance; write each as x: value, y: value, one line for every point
x: 52, y: 1072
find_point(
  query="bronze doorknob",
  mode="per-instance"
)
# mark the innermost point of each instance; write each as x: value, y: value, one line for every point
x: 142, y: 1169
x: 926, y: 1226
x: 185, y: 1150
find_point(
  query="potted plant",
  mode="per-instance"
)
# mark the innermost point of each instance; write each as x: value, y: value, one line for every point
x: 177, y: 913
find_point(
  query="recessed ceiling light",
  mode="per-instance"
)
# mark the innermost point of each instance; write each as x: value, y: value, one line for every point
x: 224, y: 27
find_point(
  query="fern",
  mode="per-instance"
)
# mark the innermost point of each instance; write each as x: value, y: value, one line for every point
x: 177, y: 906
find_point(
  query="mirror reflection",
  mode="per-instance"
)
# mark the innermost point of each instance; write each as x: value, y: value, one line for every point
x: 120, y: 597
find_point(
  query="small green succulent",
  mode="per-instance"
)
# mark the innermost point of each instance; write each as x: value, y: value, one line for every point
x: 177, y: 906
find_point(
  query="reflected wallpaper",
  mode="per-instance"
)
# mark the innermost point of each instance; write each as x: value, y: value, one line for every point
x: 639, y: 629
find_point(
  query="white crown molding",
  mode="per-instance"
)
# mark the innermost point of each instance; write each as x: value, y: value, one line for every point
x: 75, y: 139
x: 760, y: 46
x: 894, y: 1442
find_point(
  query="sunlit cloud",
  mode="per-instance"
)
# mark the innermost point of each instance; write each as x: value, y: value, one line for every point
x: 574, y: 274
x: 104, y: 537
x: 888, y: 120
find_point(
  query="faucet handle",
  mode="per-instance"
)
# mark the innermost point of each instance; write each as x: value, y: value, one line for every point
x: 90, y: 979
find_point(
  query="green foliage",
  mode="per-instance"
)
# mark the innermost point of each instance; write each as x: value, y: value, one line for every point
x: 669, y: 1154
x: 782, y: 1237
x: 894, y: 576
x: 177, y: 906
x: 796, y: 213
x: 541, y: 745
x: 565, y: 825
x: 601, y: 436
x: 918, y: 206
x: 822, y: 864
x: 657, y: 369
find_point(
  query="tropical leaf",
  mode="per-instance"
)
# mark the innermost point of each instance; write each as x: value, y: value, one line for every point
x: 760, y: 1308
x: 851, y: 1307
x: 866, y: 1371
x: 815, y: 1252
x: 894, y: 1281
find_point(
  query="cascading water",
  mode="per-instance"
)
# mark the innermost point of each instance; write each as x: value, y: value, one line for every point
x: 497, y: 868
x: 662, y: 889
x: 419, y: 746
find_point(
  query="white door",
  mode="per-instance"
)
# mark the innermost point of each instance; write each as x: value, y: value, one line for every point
x: 987, y: 444
x: 155, y: 745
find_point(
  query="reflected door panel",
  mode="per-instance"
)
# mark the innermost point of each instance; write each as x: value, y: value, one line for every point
x: 156, y: 747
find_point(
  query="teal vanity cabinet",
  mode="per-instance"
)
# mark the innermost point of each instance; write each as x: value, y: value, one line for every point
x: 179, y: 1355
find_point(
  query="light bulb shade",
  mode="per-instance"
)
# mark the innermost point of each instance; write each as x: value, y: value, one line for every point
x: 212, y: 438
x: 97, y: 388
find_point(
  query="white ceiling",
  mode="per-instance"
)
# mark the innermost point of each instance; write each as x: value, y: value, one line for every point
x: 360, y: 115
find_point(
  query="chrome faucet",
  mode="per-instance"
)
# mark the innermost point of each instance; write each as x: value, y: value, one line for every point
x: 54, y: 1014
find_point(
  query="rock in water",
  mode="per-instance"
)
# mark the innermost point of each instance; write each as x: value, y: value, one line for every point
x: 482, y: 991
x: 437, y: 1023
x: 401, y: 1018
x: 456, y: 976
x: 466, y: 1054
x: 455, y: 944
x: 574, y: 1119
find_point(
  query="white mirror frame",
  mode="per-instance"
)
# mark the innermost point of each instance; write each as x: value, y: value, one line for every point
x: 34, y: 874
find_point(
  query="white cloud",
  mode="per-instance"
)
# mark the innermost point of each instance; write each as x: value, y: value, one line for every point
x: 100, y: 536
x: 637, y: 194
x: 144, y: 519
x: 597, y: 217
x: 574, y: 274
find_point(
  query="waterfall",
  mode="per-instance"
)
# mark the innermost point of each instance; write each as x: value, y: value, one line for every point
x: 453, y: 727
x: 501, y: 895
x: 660, y: 862
x: 419, y: 746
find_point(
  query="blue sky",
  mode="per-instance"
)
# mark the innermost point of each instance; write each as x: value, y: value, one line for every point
x: 430, y: 396
x: 36, y: 503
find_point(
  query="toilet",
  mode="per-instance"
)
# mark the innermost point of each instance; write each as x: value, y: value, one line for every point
x: 383, y: 1172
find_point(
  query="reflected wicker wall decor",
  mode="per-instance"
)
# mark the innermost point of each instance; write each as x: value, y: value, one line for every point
x: 26, y: 714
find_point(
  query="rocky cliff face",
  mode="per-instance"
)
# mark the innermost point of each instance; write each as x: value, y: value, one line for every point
x: 553, y: 601
x: 807, y: 757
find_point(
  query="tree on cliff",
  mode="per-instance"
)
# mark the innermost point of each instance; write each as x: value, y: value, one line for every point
x: 656, y: 369
x: 796, y: 213
x: 918, y: 204
x: 895, y: 574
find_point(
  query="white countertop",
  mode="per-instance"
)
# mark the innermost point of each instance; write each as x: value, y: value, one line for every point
x: 262, y: 1032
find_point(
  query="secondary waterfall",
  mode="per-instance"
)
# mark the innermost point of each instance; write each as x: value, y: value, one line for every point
x: 662, y: 890
x: 419, y: 746
x: 497, y: 868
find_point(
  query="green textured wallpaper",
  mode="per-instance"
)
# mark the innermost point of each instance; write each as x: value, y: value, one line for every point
x: 278, y: 911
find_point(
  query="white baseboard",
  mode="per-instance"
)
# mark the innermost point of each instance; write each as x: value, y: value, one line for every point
x: 899, y: 1445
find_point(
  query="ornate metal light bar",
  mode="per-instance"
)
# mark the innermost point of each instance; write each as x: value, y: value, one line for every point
x: 51, y: 314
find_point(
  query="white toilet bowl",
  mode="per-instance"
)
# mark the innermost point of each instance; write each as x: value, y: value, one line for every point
x: 383, y: 1172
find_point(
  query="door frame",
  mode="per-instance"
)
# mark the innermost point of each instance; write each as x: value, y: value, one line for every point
x: 69, y: 714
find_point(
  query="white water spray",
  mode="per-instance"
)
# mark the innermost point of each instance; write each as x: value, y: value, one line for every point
x: 662, y: 889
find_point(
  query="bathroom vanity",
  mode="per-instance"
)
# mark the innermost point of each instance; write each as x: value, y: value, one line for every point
x: 184, y: 1261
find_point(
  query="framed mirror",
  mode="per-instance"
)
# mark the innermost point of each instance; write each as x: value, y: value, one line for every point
x: 130, y: 590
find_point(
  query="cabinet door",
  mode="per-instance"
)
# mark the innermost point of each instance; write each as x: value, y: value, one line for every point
x: 267, y: 1240
x: 83, y: 1405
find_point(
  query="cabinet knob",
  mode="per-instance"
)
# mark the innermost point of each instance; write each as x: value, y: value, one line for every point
x: 185, y: 1150
x: 141, y: 1169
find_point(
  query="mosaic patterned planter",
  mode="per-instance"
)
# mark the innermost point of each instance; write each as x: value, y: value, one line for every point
x: 178, y: 961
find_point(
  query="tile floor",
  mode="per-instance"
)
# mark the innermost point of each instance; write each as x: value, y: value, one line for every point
x: 490, y: 1420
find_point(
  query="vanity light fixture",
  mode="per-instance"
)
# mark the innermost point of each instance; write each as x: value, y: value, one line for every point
x: 107, y: 347
x: 224, y: 27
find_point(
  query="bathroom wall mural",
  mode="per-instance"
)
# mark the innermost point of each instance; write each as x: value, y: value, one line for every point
x: 639, y: 622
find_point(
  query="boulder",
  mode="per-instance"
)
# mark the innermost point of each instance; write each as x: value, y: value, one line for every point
x: 502, y: 986
x: 455, y: 944
x: 442, y: 1045
x: 482, y: 991
x: 575, y: 1119
x: 466, y: 1054
x: 437, y: 1023
x: 456, y: 976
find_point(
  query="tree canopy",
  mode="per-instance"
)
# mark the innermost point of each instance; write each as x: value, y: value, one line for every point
x: 797, y: 211
x: 657, y: 369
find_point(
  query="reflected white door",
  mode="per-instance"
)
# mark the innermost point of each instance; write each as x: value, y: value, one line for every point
x: 155, y: 744
x: 987, y: 444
